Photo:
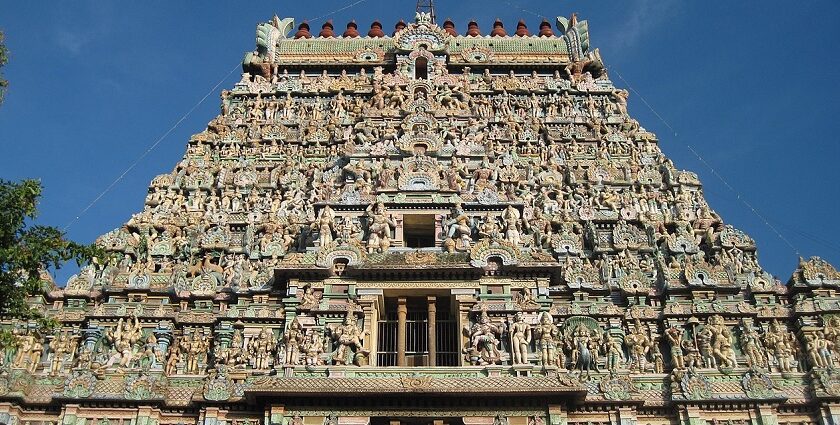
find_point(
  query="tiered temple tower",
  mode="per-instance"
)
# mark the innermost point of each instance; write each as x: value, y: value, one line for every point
x: 427, y: 228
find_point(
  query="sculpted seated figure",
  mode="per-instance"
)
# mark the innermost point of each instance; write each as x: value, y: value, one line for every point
x: 483, y: 347
x: 381, y: 225
x: 349, y: 338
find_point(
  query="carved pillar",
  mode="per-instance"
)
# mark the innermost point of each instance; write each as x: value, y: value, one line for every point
x: 402, y: 312
x: 626, y: 416
x: 432, y: 328
x: 690, y: 415
x: 767, y: 415
x: 557, y: 415
x: 829, y: 414
x: 274, y: 414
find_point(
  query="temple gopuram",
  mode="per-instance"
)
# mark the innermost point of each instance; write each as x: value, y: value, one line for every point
x: 427, y: 228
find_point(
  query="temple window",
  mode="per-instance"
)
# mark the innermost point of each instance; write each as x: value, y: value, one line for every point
x: 419, y: 230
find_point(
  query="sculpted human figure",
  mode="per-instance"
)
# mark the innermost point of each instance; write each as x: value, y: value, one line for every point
x: 123, y: 337
x: 484, y: 341
x: 675, y: 339
x: 546, y: 333
x: 194, y: 348
x: 751, y: 347
x: 292, y: 341
x: 615, y: 354
x: 380, y: 226
x: 489, y: 229
x: 349, y: 337
x: 325, y: 225
x: 458, y: 230
x: 583, y: 358
x: 638, y: 343
x: 313, y: 348
x: 520, y: 339
x: 309, y: 299
x: 261, y: 349
x: 172, y: 356
x: 60, y: 346
x: 721, y: 340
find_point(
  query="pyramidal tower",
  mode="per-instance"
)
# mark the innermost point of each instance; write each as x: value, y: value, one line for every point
x: 427, y: 226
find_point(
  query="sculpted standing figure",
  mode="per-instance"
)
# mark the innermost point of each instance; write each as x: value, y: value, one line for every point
x: 751, y: 346
x: 123, y: 338
x: 615, y: 354
x: 325, y: 224
x: 292, y: 340
x: 29, y: 352
x: 780, y: 343
x: 546, y: 333
x: 195, y: 347
x: 261, y: 349
x: 675, y: 337
x: 638, y: 344
x: 313, y: 347
x: 520, y: 339
x: 380, y: 227
x: 60, y: 346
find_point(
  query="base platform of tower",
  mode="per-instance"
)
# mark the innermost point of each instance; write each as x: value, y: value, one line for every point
x: 427, y: 228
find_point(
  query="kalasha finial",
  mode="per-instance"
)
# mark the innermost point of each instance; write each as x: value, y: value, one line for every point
x: 427, y: 7
x: 522, y: 29
x: 449, y: 27
x: 399, y: 26
x: 498, y: 29
x: 303, y: 31
x: 376, y: 30
x: 352, y: 30
x: 327, y: 30
x: 545, y: 29
x: 472, y: 29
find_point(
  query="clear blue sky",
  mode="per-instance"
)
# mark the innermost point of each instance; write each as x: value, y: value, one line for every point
x: 754, y: 87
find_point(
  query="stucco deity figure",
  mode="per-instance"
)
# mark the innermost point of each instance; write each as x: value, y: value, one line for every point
x: 325, y: 225
x: 61, y: 345
x: 308, y: 299
x: 546, y: 333
x: 675, y: 339
x: 194, y: 349
x: 232, y: 355
x: 584, y: 359
x: 489, y: 229
x: 483, y: 346
x: 780, y: 342
x: 261, y: 349
x: 615, y: 353
x: 638, y: 344
x: 349, y: 336
x: 29, y: 352
x: 751, y: 347
x: 123, y: 337
x: 722, y: 349
x: 313, y: 347
x: 380, y: 227
x: 520, y: 339
x: 292, y: 342
x: 458, y: 230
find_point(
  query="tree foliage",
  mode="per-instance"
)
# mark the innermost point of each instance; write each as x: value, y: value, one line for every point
x: 27, y: 251
x: 4, y: 58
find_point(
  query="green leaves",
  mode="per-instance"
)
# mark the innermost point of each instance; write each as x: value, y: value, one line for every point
x: 4, y: 58
x: 27, y: 251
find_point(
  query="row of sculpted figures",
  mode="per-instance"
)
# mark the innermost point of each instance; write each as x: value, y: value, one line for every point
x: 579, y: 344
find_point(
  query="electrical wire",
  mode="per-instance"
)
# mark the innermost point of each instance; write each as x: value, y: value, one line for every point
x: 173, y: 127
x: 699, y: 157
